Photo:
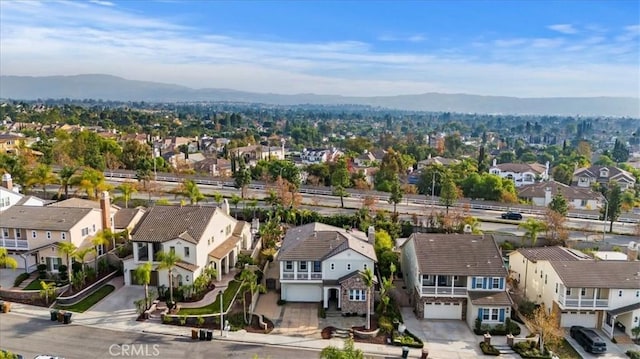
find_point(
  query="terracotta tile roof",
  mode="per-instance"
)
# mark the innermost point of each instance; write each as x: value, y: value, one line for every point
x: 188, y: 266
x: 521, y: 167
x: 164, y: 223
x: 457, y: 254
x: 124, y: 216
x: 42, y: 218
x: 225, y: 247
x: 552, y: 254
x: 568, y: 192
x: 318, y: 241
x: 489, y: 298
x: 599, y: 274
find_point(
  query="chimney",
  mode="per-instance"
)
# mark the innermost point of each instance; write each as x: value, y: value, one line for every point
x: 105, y: 208
x: 225, y: 206
x: 547, y: 196
x: 632, y: 251
x: 371, y: 235
x: 7, y: 182
x: 495, y: 162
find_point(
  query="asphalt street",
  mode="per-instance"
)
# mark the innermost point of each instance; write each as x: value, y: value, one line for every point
x: 32, y: 336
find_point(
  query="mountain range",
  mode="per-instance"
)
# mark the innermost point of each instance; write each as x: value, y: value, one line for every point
x: 107, y: 87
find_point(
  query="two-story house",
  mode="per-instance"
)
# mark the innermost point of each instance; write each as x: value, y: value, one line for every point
x: 541, y: 194
x: 588, y: 176
x: 582, y: 291
x: 200, y: 236
x: 10, y: 196
x: 31, y: 234
x: 521, y: 173
x: 314, y: 156
x: 322, y: 263
x: 454, y: 276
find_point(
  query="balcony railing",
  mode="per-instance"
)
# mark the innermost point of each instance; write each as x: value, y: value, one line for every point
x: 301, y: 276
x: 14, y: 243
x: 444, y: 290
x: 584, y: 303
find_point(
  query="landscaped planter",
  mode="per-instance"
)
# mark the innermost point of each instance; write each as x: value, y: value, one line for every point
x: 366, y: 334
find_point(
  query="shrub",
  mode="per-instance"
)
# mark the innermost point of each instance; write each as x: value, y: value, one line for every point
x: 200, y: 321
x: 508, y: 327
x: 529, y: 349
x: 321, y: 312
x: 42, y: 271
x: 91, y: 274
x: 63, y: 272
x: 385, y: 324
x: 527, y: 308
x: 488, y: 349
x: 282, y: 302
x: 20, y: 278
x: 244, y: 259
x: 76, y: 267
x: 167, y: 319
x: 183, y: 319
x: 406, y: 339
x: 633, y: 354
x: 507, y: 246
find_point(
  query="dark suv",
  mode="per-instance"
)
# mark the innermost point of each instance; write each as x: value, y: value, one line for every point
x: 512, y: 215
x: 588, y: 339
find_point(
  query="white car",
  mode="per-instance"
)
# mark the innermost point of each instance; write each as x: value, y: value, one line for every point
x: 47, y: 357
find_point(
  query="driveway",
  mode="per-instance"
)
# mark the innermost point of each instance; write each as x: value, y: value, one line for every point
x: 8, y: 276
x: 117, y: 306
x: 613, y: 350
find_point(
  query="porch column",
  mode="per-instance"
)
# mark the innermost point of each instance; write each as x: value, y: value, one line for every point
x: 579, y: 297
x: 219, y: 269
x: 295, y: 270
x: 309, y: 270
x: 595, y: 295
x: 150, y: 252
x: 340, y: 297
x: 436, y: 280
x: 226, y: 263
x: 452, y: 282
x: 325, y: 300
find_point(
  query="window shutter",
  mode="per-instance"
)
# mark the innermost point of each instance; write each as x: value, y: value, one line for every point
x: 502, y: 314
x: 484, y: 283
x: 480, y: 313
x: 473, y: 282
x: 501, y: 283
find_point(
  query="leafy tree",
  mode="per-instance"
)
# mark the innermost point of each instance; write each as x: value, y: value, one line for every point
x: 42, y: 175
x: 218, y: 197
x: 235, y: 200
x: 142, y: 275
x: 348, y: 352
x: 532, y: 228
x: 242, y: 178
x: 47, y: 291
x: 189, y: 189
x: 395, y: 195
x: 613, y: 207
x: 620, y: 152
x: 449, y: 193
x: 6, y: 261
x: 555, y: 230
x: 368, y: 279
x: 605, y: 160
x: 101, y: 240
x: 559, y: 204
x: 168, y: 261
x: 65, y: 175
x: 127, y: 189
x: 249, y: 284
x: 563, y: 173
x: 133, y: 152
x: 341, y: 180
x: 383, y: 242
x: 90, y: 181
x: 546, y: 326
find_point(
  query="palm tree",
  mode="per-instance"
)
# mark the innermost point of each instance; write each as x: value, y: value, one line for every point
x: 368, y: 279
x: 48, y: 290
x: 42, y: 175
x: 272, y: 198
x: 6, y: 261
x: 249, y: 283
x: 65, y: 175
x: 532, y: 228
x: 218, y: 198
x: 90, y: 181
x: 102, y: 239
x: 69, y: 249
x: 235, y: 200
x: 189, y: 189
x: 142, y: 275
x: 168, y: 261
x: 127, y: 189
x: 81, y: 254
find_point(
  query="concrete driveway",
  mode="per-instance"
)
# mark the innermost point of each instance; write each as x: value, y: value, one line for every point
x: 117, y: 306
x: 8, y: 276
x: 613, y: 350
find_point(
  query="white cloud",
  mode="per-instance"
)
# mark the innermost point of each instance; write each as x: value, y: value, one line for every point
x: 71, y: 38
x: 103, y: 3
x: 567, y: 29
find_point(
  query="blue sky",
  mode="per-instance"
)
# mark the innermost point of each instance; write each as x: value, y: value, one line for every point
x: 363, y: 48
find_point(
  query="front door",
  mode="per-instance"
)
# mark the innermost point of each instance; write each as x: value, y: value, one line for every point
x: 53, y: 263
x: 154, y: 278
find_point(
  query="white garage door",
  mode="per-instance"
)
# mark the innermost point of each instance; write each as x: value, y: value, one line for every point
x: 585, y: 319
x: 443, y: 310
x: 301, y: 293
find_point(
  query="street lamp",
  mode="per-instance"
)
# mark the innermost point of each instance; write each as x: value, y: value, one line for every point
x: 606, y: 215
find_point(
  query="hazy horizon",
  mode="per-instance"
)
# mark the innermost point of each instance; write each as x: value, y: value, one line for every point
x: 490, y: 48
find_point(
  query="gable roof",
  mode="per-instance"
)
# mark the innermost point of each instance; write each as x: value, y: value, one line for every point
x: 457, y: 254
x: 164, y: 223
x: 42, y: 218
x: 318, y: 241
x: 124, y: 216
x: 614, y: 173
x: 555, y: 253
x: 599, y: 274
x: 521, y: 167
x: 537, y: 190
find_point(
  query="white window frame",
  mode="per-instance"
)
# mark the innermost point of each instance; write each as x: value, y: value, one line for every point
x: 302, y: 266
x: 348, y: 266
x: 495, y: 283
x: 288, y: 266
x: 5, y: 232
x: 63, y: 236
x: 34, y: 234
x: 479, y: 283
x: 486, y: 314
x: 48, y: 235
x: 357, y: 295
x: 332, y: 266
x: 186, y: 252
x: 18, y: 233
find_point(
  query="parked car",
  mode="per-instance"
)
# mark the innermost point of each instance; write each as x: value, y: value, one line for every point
x: 41, y: 356
x: 588, y: 339
x: 512, y: 215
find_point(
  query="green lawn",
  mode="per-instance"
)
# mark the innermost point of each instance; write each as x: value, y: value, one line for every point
x: 34, y: 285
x: 565, y: 350
x: 214, y: 307
x: 83, y: 305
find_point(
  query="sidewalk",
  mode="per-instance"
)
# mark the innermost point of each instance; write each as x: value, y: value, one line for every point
x: 127, y: 323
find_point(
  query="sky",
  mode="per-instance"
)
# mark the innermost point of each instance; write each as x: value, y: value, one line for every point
x: 513, y: 48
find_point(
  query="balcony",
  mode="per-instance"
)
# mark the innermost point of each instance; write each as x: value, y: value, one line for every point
x: 16, y: 244
x: 301, y: 276
x: 444, y: 291
x: 583, y: 302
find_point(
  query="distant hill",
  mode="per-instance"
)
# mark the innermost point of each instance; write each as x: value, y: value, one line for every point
x: 114, y: 88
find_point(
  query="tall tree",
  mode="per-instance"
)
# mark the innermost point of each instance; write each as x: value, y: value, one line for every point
x: 449, y: 193
x: 546, y: 326
x: 532, y: 228
x: 620, y: 152
x: 559, y: 204
x: 68, y: 249
x: 100, y: 241
x: 242, y: 178
x: 6, y: 261
x: 189, y: 189
x: 168, y: 261
x: 127, y: 189
x: 368, y: 280
x: 142, y: 275
x: 65, y: 175
x: 395, y: 195
x: 42, y: 175
x: 235, y: 200
x: 341, y: 180
x: 249, y: 284
x: 613, y: 205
